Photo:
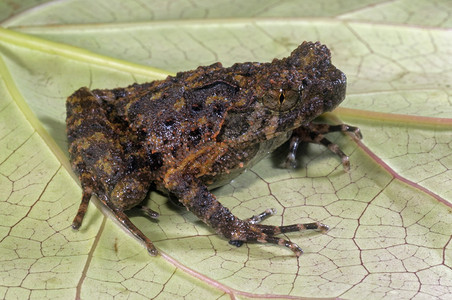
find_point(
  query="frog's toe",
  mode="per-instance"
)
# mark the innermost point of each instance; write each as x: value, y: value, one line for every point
x: 236, y: 243
x: 336, y: 150
x: 262, y: 216
x: 149, y: 212
x: 87, y: 193
x: 355, y: 131
x: 291, y: 161
x: 282, y: 242
x: 265, y: 238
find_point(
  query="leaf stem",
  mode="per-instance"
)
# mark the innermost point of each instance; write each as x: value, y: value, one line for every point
x: 75, y: 53
x: 412, y: 120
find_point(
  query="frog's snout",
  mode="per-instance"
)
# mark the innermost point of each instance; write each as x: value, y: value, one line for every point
x: 340, y: 87
x: 337, y: 91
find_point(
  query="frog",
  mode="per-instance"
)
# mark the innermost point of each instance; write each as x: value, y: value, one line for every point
x: 197, y: 130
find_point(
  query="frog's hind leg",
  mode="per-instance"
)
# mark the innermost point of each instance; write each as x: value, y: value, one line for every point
x: 200, y: 201
x: 102, y: 163
x: 315, y: 133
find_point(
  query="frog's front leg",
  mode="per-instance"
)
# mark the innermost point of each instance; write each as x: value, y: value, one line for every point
x: 199, y: 200
x: 315, y: 133
x: 104, y: 167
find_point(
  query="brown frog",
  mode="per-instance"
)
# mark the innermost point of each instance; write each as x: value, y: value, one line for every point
x: 197, y: 130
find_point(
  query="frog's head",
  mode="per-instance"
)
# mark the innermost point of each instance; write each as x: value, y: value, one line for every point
x: 275, y: 98
x: 302, y: 86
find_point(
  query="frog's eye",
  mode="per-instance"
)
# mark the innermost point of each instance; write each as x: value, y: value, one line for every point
x: 281, y: 100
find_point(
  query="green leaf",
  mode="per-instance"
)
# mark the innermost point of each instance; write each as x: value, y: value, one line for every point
x: 390, y: 216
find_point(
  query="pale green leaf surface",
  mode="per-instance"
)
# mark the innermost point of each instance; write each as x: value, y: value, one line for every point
x: 86, y: 11
x: 390, y: 216
x: 9, y: 9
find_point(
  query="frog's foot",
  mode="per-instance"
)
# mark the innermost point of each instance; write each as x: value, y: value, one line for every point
x: 200, y: 201
x: 254, y: 220
x: 315, y: 133
x: 118, y: 214
x: 267, y: 232
x: 149, y: 212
